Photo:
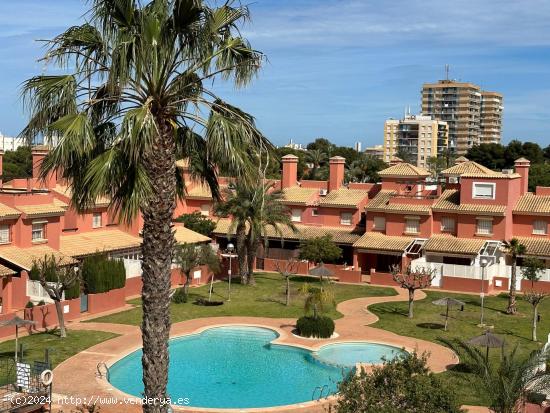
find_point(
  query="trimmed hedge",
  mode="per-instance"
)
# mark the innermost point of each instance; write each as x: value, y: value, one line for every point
x: 320, y: 327
x: 100, y: 274
x: 179, y: 296
x: 73, y: 291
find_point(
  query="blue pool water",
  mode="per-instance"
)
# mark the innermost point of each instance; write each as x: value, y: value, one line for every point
x: 349, y: 354
x: 237, y: 367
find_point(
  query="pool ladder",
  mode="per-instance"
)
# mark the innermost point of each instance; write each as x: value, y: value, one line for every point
x: 321, y: 391
x: 102, y: 374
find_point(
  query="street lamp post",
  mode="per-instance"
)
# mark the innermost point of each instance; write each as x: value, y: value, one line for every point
x: 483, y: 263
x: 230, y: 249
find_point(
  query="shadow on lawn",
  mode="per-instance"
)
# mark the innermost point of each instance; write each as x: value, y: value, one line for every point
x: 431, y: 326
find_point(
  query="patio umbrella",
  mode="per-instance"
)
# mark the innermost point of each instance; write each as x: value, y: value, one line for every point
x: 17, y: 322
x: 448, y: 302
x: 321, y: 271
x: 487, y: 340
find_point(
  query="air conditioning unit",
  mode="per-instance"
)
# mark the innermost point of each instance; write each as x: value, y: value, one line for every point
x: 507, y: 171
x: 453, y: 180
x: 323, y: 192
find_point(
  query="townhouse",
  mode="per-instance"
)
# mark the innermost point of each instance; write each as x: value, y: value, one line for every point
x: 36, y: 219
x: 454, y: 226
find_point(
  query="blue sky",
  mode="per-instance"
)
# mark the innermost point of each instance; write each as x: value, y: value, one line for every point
x: 339, y: 68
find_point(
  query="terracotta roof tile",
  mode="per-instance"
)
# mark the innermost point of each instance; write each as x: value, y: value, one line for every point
x: 404, y: 169
x: 6, y: 271
x: 299, y: 196
x: 186, y: 236
x: 8, y: 212
x: 466, y: 167
x: 344, y: 197
x: 24, y: 258
x: 374, y: 241
x: 382, y: 203
x: 41, y: 210
x: 339, y: 235
x: 449, y: 201
x: 531, y: 204
x: 537, y: 247
x: 446, y: 244
x: 100, y: 241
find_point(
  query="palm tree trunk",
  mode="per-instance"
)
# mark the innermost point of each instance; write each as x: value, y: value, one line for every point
x: 535, y: 317
x: 251, y: 253
x: 512, y: 297
x: 157, y: 249
x: 411, y: 303
x: 187, y: 282
x: 241, y: 253
x: 60, y: 319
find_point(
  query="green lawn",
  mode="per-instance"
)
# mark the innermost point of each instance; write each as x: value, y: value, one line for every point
x: 59, y: 349
x: 428, y: 325
x: 265, y: 299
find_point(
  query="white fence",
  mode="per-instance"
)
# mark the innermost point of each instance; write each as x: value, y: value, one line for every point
x: 37, y: 293
x: 132, y: 267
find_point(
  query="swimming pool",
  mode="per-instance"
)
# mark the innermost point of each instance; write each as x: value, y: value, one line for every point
x: 238, y: 367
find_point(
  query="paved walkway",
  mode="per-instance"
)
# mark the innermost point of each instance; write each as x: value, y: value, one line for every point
x: 77, y: 376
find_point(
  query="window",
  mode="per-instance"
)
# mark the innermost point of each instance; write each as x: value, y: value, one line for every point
x: 447, y: 224
x: 379, y: 223
x: 412, y: 225
x: 296, y: 215
x: 484, y: 226
x: 483, y: 190
x: 4, y: 234
x: 205, y: 210
x: 38, y: 231
x: 346, y: 218
x: 540, y: 227
x: 314, y: 212
x: 96, y: 220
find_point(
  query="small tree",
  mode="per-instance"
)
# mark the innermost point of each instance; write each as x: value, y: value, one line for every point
x: 403, y: 384
x: 289, y: 269
x: 190, y: 256
x: 532, y: 267
x: 55, y: 277
x: 320, y: 249
x: 513, y: 249
x: 412, y: 280
x: 197, y: 222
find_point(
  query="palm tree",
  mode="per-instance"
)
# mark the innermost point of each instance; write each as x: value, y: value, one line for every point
x: 366, y: 168
x: 133, y: 98
x: 317, y: 157
x: 253, y: 210
x: 513, y: 249
x: 505, y: 383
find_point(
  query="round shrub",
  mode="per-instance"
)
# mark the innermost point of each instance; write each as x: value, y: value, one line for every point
x: 320, y: 327
x: 179, y: 296
x: 29, y: 304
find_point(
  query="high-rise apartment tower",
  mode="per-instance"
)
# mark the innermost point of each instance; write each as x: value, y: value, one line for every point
x: 474, y: 116
x: 417, y: 136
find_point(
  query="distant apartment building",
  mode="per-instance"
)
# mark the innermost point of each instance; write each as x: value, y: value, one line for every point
x: 490, y: 125
x: 7, y: 143
x: 376, y: 151
x: 420, y: 136
x: 473, y: 116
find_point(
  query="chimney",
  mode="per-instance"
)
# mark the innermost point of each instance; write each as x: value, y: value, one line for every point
x: 336, y: 172
x: 38, y: 154
x: 395, y: 160
x: 522, y: 167
x: 290, y: 171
